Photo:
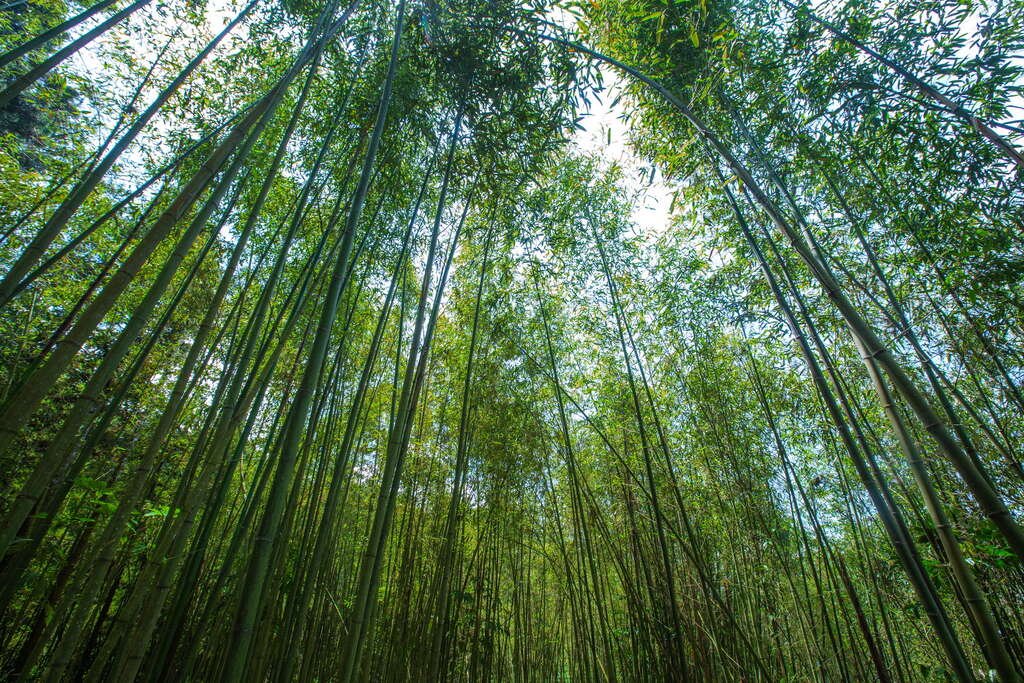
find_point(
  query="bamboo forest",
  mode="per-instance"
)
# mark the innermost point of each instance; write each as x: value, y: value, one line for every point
x: 511, y: 340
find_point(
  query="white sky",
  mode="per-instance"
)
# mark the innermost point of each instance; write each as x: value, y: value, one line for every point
x: 651, y: 212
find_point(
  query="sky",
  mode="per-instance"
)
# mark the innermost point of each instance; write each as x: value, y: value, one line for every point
x: 651, y: 212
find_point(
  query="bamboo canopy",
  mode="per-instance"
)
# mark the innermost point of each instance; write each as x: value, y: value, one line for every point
x: 511, y: 340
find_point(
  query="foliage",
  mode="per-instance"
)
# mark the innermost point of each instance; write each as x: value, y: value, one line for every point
x: 353, y: 365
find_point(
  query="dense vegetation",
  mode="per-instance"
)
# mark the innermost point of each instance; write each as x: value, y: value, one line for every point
x: 328, y: 354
